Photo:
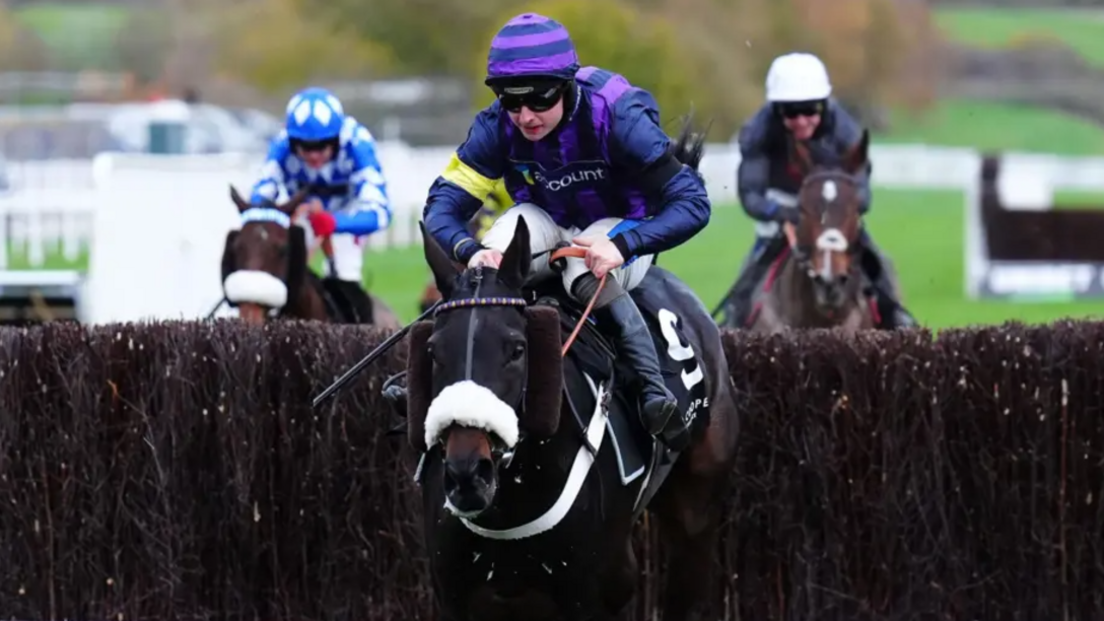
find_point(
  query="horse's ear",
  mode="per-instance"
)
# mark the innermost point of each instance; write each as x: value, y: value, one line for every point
x: 240, y: 202
x: 514, y: 269
x: 857, y: 155
x: 444, y: 270
x: 801, y: 156
x: 296, y: 199
x: 544, y: 392
x: 419, y: 383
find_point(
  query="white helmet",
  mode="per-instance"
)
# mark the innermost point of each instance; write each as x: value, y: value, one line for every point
x: 797, y: 76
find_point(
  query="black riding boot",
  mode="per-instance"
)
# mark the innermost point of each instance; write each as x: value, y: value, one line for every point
x: 738, y: 308
x: 357, y: 303
x: 620, y: 319
x: 894, y: 315
x: 743, y: 291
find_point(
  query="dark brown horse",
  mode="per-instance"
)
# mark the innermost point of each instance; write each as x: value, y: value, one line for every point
x: 816, y: 281
x: 265, y: 268
x: 529, y: 510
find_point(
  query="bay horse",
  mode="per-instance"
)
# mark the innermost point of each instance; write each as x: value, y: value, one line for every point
x: 265, y: 268
x: 534, y: 464
x: 816, y: 281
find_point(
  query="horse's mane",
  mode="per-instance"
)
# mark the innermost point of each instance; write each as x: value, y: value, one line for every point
x: 689, y: 147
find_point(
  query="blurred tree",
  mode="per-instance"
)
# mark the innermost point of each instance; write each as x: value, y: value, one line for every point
x: 431, y: 37
x: 143, y: 44
x: 20, y: 48
x: 272, y: 45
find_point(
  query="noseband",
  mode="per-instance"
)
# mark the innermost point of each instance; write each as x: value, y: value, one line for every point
x: 269, y: 213
x: 501, y: 454
x: 832, y: 239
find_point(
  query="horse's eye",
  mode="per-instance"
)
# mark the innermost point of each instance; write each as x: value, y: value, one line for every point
x: 519, y: 351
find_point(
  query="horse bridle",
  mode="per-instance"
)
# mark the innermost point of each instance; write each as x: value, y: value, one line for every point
x: 831, y: 240
x: 268, y: 212
x: 502, y: 454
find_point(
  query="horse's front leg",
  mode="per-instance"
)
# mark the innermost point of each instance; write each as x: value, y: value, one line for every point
x: 689, y: 520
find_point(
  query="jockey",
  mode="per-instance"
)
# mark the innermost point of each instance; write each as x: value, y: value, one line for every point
x: 799, y: 107
x: 335, y: 156
x: 582, y: 153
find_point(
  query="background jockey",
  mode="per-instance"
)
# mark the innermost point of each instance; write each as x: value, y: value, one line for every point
x: 799, y: 107
x: 335, y: 156
x: 601, y: 177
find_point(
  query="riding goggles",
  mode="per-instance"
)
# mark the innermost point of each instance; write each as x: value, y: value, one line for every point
x: 536, y: 97
x: 312, y: 145
x: 792, y: 110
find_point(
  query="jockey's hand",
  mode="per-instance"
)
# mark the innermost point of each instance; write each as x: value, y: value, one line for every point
x: 486, y: 258
x: 788, y: 213
x: 322, y: 223
x: 602, y: 255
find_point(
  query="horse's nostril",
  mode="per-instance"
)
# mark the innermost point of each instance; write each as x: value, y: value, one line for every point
x: 485, y: 469
x: 461, y: 473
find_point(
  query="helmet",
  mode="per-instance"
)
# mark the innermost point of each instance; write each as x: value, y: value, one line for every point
x: 314, y: 114
x: 531, y: 46
x: 797, y: 77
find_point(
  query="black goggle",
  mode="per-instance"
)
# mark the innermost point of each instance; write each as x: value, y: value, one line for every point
x: 804, y: 108
x: 537, y: 98
x: 312, y: 145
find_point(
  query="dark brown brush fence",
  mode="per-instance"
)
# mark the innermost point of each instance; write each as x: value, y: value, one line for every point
x: 176, y: 471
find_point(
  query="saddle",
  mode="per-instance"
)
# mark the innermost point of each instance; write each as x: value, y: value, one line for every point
x: 345, y: 301
x: 594, y: 356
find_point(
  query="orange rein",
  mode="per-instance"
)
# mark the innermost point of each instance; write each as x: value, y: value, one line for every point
x: 580, y: 253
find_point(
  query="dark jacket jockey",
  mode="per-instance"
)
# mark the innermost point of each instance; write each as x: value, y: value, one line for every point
x: 582, y: 154
x: 799, y: 106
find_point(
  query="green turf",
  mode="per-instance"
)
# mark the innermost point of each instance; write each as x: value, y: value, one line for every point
x: 1013, y: 27
x: 987, y: 126
x: 79, y: 35
x: 921, y: 231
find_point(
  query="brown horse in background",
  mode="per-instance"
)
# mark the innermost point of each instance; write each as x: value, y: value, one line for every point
x: 265, y: 268
x: 817, y: 282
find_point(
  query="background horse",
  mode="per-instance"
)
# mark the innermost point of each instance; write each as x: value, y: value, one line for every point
x: 528, y: 512
x: 265, y: 266
x: 816, y: 282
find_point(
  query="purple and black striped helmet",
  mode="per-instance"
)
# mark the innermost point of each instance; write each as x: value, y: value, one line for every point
x: 531, y: 46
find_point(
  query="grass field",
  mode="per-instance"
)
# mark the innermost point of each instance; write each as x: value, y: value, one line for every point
x: 1011, y: 27
x: 989, y: 126
x: 79, y: 35
x: 922, y: 231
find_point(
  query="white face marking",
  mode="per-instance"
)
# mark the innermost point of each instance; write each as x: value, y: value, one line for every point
x: 829, y: 191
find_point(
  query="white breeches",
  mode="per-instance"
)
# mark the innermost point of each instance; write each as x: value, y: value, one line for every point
x: 544, y: 234
x: 348, y: 254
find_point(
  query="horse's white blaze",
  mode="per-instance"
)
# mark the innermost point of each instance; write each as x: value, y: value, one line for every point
x: 468, y: 404
x: 831, y: 240
x: 829, y: 191
x: 256, y: 287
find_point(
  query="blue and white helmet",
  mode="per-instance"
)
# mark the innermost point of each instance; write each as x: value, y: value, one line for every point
x: 314, y: 114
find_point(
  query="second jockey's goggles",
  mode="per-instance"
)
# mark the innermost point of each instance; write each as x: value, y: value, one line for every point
x: 537, y: 96
x: 313, y: 145
x: 794, y: 109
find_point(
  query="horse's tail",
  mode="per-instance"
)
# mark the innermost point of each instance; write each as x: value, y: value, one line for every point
x: 689, y: 147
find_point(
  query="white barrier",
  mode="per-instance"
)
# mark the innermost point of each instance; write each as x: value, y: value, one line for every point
x: 159, y: 222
